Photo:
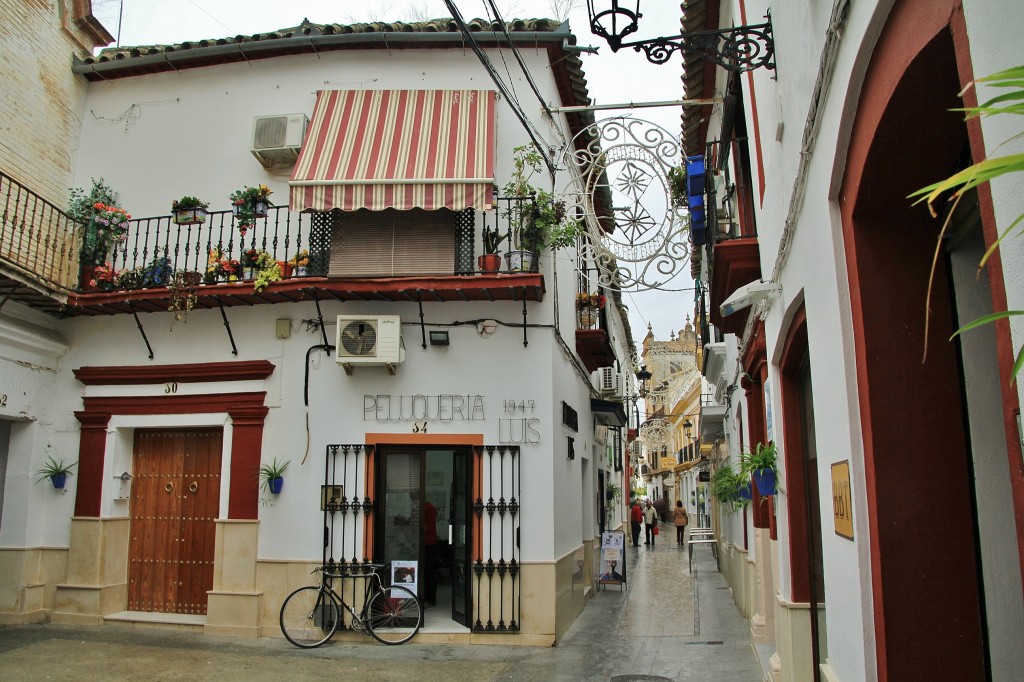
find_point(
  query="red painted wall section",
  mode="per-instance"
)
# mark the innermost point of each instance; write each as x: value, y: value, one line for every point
x: 794, y: 350
x: 755, y: 363
x: 246, y: 447
x: 91, y: 445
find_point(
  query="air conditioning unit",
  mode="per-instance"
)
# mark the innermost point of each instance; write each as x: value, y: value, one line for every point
x: 369, y: 340
x: 610, y: 381
x: 276, y: 140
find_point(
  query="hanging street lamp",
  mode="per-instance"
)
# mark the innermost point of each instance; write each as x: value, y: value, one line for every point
x: 740, y: 48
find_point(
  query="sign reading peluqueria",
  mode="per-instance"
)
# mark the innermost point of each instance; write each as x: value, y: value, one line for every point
x: 409, y: 408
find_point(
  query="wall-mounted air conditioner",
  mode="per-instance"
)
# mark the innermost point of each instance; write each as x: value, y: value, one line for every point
x: 610, y: 381
x: 369, y: 340
x: 276, y: 140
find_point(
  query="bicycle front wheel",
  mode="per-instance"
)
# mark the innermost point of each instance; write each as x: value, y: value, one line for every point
x: 309, y: 617
x: 393, y: 615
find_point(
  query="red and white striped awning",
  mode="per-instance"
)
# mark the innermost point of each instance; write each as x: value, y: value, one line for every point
x: 400, y: 149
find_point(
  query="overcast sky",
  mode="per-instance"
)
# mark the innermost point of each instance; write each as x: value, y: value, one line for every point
x: 611, y: 78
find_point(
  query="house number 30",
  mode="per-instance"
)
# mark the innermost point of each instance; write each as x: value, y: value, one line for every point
x: 171, y: 387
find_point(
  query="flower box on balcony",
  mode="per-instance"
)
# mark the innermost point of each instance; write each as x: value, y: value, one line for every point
x: 189, y: 210
x: 189, y: 216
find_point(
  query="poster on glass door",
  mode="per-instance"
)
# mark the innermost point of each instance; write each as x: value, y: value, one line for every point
x: 406, y: 574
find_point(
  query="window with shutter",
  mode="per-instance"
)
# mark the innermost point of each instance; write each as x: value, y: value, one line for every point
x: 394, y: 243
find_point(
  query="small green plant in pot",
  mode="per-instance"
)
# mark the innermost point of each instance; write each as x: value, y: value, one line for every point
x: 762, y: 464
x: 677, y: 184
x: 539, y: 220
x: 272, y: 475
x: 726, y: 486
x: 613, y: 491
x: 55, y: 470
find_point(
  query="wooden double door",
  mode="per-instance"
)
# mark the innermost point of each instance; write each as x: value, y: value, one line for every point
x: 175, y: 500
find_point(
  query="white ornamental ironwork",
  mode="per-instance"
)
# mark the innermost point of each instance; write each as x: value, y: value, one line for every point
x: 655, y: 433
x: 650, y: 245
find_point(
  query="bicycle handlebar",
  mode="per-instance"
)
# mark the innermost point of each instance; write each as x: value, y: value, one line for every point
x: 362, y: 569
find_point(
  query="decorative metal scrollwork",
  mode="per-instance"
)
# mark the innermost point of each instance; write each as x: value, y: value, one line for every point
x: 655, y: 433
x: 630, y: 159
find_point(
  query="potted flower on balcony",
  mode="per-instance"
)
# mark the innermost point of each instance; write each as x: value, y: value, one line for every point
x: 267, y: 270
x: 587, y: 307
x: 490, y: 260
x: 103, y: 278
x: 103, y: 227
x: 183, y: 293
x: 300, y: 263
x: 131, y: 278
x: 248, y: 204
x: 248, y: 261
x: 189, y: 210
x: 539, y: 220
x: 220, y: 268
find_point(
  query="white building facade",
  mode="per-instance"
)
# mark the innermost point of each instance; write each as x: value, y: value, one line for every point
x: 471, y: 391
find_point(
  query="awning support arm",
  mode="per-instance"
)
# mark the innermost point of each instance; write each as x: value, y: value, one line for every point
x: 423, y: 327
x: 320, y: 317
x: 526, y: 342
x: 227, y: 325
x: 142, y: 331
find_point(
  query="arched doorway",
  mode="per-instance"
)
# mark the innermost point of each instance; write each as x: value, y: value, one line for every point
x: 932, y: 466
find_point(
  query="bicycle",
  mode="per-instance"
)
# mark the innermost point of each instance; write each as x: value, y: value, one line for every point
x: 391, y: 614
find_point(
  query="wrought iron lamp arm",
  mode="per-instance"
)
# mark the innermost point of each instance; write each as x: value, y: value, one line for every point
x: 740, y: 48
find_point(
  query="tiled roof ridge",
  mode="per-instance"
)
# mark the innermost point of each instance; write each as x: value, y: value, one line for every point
x: 308, y: 28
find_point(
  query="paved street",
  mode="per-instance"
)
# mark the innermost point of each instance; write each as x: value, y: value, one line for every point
x: 666, y: 624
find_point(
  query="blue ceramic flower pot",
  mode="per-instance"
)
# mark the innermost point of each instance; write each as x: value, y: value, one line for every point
x: 765, y: 481
x: 275, y: 485
x: 59, y: 480
x: 746, y: 493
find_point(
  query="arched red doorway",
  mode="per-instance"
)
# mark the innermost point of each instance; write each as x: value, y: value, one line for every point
x: 919, y: 420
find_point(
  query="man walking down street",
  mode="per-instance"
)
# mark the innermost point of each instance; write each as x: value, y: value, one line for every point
x: 636, y: 517
x: 650, y: 519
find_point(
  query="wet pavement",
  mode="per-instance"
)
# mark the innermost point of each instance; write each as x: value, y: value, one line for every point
x: 666, y: 623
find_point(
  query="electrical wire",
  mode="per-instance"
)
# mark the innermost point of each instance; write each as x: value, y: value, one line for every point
x: 519, y: 58
x: 533, y: 133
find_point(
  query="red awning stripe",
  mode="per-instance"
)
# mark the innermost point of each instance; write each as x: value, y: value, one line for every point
x: 400, y: 149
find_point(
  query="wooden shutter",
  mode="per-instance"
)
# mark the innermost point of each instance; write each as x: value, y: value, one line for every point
x: 394, y: 244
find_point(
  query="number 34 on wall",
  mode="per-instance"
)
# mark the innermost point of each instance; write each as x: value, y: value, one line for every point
x: 419, y: 427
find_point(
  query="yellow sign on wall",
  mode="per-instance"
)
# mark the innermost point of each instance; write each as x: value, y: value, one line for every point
x: 668, y: 462
x: 842, y: 499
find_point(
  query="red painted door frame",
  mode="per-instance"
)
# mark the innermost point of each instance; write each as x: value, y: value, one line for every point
x: 927, y: 605
x: 247, y: 411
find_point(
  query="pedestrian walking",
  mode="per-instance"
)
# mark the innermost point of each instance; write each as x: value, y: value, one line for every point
x: 636, y: 518
x: 650, y: 521
x: 680, y: 518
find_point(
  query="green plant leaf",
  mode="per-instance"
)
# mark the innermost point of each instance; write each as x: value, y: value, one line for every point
x: 986, y: 319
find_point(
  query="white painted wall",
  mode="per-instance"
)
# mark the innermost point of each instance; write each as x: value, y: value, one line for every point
x: 189, y: 133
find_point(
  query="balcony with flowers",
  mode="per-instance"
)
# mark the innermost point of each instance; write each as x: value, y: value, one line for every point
x: 96, y: 258
x: 593, y: 343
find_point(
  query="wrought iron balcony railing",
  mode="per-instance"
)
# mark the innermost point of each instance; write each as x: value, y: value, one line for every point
x: 37, y: 240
